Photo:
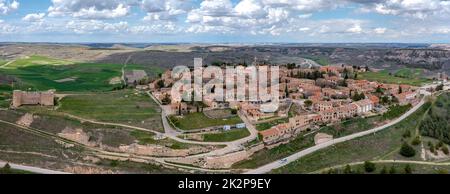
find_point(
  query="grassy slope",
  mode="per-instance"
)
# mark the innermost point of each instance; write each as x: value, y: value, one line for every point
x: 376, y: 146
x: 384, y: 77
x: 226, y: 136
x: 122, y: 106
x: 199, y: 121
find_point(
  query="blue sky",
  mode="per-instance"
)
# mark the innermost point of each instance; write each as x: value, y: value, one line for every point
x: 217, y: 21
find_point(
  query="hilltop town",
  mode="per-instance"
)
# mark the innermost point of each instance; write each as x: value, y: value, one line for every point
x: 321, y: 96
x: 126, y: 115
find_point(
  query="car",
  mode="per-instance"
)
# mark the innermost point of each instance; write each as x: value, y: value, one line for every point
x: 283, y: 161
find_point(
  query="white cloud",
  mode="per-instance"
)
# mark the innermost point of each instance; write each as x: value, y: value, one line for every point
x: 355, y: 29
x: 34, y: 17
x: 421, y: 9
x: 7, y: 7
x: 165, y: 9
x: 379, y: 30
x: 91, y: 26
x: 90, y: 9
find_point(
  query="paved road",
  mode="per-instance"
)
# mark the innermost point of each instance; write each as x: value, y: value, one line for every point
x: 32, y: 169
x: 277, y: 164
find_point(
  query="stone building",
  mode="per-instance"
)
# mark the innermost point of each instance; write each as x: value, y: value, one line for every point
x: 33, y: 98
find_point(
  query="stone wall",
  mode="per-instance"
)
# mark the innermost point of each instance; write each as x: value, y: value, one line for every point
x: 32, y: 98
x: 219, y: 162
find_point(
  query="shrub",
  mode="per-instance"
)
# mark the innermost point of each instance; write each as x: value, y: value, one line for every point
x: 407, y: 134
x: 384, y: 170
x: 445, y: 150
x: 392, y: 170
x: 408, y: 169
x: 369, y: 166
x: 416, y: 141
x: 407, y: 151
x: 348, y: 169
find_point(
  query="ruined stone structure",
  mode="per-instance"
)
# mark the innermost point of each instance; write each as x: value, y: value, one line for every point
x: 33, y: 98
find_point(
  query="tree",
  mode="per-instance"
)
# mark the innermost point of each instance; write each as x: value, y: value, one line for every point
x: 407, y: 134
x: 384, y: 170
x: 369, y: 166
x: 445, y: 150
x: 440, y: 87
x: 5, y: 169
x: 392, y: 170
x: 160, y: 84
x: 348, y: 169
x: 234, y: 111
x: 308, y: 103
x: 166, y: 100
x: 407, y: 151
x: 408, y: 169
x: 416, y: 141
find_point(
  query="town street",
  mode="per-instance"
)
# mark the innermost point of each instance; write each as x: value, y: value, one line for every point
x: 277, y: 164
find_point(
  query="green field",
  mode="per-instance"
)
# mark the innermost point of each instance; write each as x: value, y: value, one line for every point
x: 42, y: 73
x: 2, y: 62
x: 199, y: 121
x: 385, y: 77
x: 318, y: 59
x: 5, y: 95
x: 81, y: 77
x: 226, y: 136
x: 36, y: 60
x: 382, y: 145
x: 409, y: 73
x: 124, y: 106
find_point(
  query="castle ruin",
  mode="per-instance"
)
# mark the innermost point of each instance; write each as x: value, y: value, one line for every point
x: 33, y: 98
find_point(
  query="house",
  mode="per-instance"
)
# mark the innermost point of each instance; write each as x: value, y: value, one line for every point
x: 339, y: 113
x: 300, y: 122
x: 375, y: 100
x: 322, y: 105
x: 276, y: 133
x: 405, y: 97
x: 179, y: 107
x: 364, y: 106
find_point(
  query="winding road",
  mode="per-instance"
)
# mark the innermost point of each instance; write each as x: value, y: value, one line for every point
x: 277, y: 164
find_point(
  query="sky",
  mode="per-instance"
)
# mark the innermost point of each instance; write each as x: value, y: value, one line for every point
x: 225, y: 21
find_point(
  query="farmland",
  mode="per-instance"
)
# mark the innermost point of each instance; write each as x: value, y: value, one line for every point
x: 81, y: 77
